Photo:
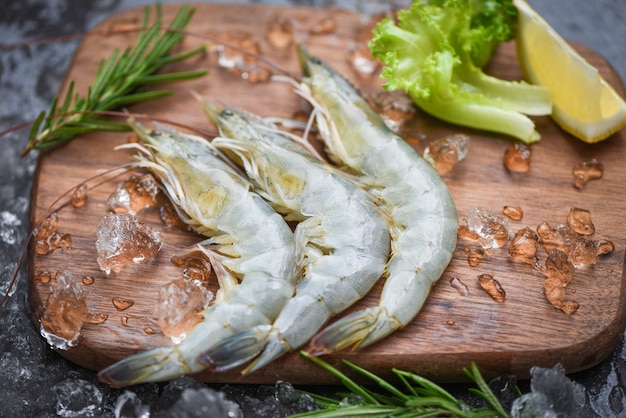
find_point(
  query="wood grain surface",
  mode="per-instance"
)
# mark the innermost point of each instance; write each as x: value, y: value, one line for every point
x: 453, y: 329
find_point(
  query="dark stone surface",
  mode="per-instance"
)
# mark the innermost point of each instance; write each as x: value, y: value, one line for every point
x: 33, y: 378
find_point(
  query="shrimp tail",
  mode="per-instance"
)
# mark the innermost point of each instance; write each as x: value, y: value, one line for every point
x: 236, y: 350
x: 356, y: 330
x: 149, y: 366
x: 258, y: 343
x: 274, y: 348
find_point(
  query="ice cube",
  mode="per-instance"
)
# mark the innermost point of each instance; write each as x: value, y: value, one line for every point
x: 238, y: 63
x: 560, y: 237
x: 180, y: 303
x: 77, y: 398
x: 552, y: 395
x: 279, y: 32
x: 122, y: 239
x: 128, y: 405
x: 493, y: 231
x: 558, y: 266
x: 583, y: 253
x: 580, y: 221
x: 64, y: 313
x: 133, y: 195
x: 204, y: 402
x: 524, y: 246
x: 445, y: 153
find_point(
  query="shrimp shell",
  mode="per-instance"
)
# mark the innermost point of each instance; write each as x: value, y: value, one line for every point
x: 421, y: 210
x: 251, y: 248
x: 342, y: 241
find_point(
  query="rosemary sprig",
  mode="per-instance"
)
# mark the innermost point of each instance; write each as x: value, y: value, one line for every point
x: 419, y: 397
x: 118, y: 82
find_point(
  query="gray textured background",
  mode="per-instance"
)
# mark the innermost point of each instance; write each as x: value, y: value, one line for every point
x: 31, y: 76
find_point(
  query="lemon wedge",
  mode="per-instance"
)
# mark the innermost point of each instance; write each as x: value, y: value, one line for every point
x: 584, y: 104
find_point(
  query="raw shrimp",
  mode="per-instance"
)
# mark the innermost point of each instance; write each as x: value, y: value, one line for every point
x: 342, y: 241
x: 422, y: 213
x: 251, y: 248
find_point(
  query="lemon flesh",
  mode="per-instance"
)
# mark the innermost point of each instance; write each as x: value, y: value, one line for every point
x: 584, y: 104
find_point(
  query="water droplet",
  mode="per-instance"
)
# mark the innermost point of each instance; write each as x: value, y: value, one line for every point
x: 586, y: 171
x: 445, y: 153
x: 122, y: 239
x: 79, y: 197
x: 517, y: 158
x: 122, y: 304
x: 492, y: 230
x: 43, y: 277
x: 124, y: 320
x: 513, y: 212
x: 459, y: 286
x: 149, y: 330
x: 88, y: 280
x: 580, y: 221
x: 96, y: 318
x: 524, y: 246
x: 492, y: 287
x: 279, y: 32
x: 604, y: 246
x: 475, y: 257
x: 449, y: 322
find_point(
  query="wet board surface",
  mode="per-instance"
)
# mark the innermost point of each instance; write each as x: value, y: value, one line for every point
x: 453, y: 329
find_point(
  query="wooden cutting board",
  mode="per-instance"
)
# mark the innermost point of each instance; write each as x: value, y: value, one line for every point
x: 453, y: 329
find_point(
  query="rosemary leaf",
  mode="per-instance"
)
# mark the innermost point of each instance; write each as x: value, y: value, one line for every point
x: 429, y: 386
x: 349, y: 383
x: 117, y: 82
x: 168, y: 59
x: 36, y: 126
x: 168, y: 78
x: 68, y: 99
x: 484, y: 391
x: 382, y: 383
x: 116, y: 102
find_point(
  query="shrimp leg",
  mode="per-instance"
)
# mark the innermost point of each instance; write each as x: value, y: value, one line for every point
x: 250, y: 246
x: 420, y: 208
x: 342, y: 241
